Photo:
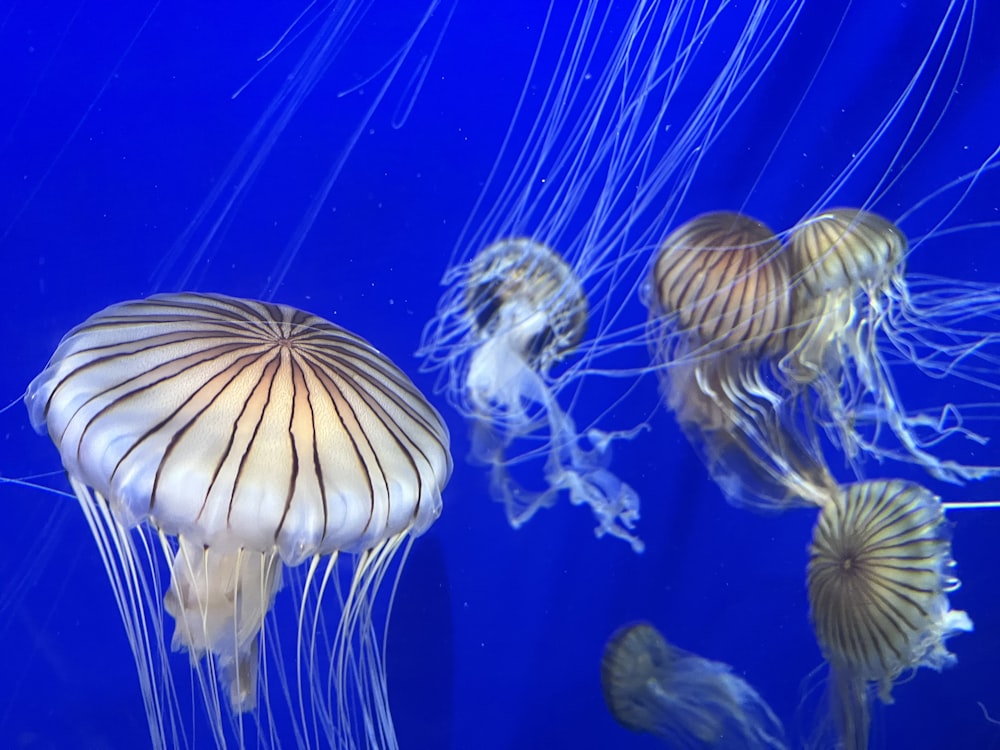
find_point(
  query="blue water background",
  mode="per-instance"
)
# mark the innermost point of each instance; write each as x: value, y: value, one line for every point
x: 116, y: 121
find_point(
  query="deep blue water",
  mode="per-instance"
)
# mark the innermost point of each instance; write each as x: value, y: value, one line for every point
x: 116, y: 123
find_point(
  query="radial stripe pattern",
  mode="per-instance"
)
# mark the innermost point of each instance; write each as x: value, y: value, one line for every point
x: 244, y: 424
x: 845, y: 248
x: 879, y: 573
x: 724, y: 278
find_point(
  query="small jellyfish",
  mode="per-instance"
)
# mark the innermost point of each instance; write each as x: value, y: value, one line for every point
x: 720, y: 314
x: 680, y: 698
x: 880, y: 571
x: 243, y: 439
x: 526, y: 310
x: 855, y: 315
x: 523, y: 299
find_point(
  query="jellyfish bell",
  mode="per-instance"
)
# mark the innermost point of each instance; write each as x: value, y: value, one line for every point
x: 838, y: 257
x: 684, y: 700
x: 723, y: 278
x: 843, y: 249
x: 720, y: 310
x: 846, y: 263
x: 879, y: 574
x: 242, y: 438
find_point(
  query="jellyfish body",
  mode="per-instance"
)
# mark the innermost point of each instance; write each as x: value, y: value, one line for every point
x: 242, y: 438
x: 720, y: 312
x: 854, y: 314
x: 880, y: 571
x: 526, y: 311
x: 683, y: 699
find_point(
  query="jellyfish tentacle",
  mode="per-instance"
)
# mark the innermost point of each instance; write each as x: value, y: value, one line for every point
x: 219, y: 601
x: 570, y: 467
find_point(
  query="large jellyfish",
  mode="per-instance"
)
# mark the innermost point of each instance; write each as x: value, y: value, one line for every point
x: 880, y: 571
x: 721, y: 311
x: 588, y: 171
x: 243, y: 438
x: 684, y: 700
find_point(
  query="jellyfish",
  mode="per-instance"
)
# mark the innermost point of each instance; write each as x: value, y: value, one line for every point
x: 720, y: 310
x: 682, y: 699
x: 528, y: 311
x: 880, y: 571
x: 855, y: 314
x: 585, y: 177
x: 245, y: 439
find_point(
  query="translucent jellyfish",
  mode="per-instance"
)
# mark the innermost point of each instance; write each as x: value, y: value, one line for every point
x: 855, y: 315
x: 720, y: 308
x: 880, y: 571
x: 602, y: 145
x: 682, y: 699
x: 243, y: 439
x: 528, y: 311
